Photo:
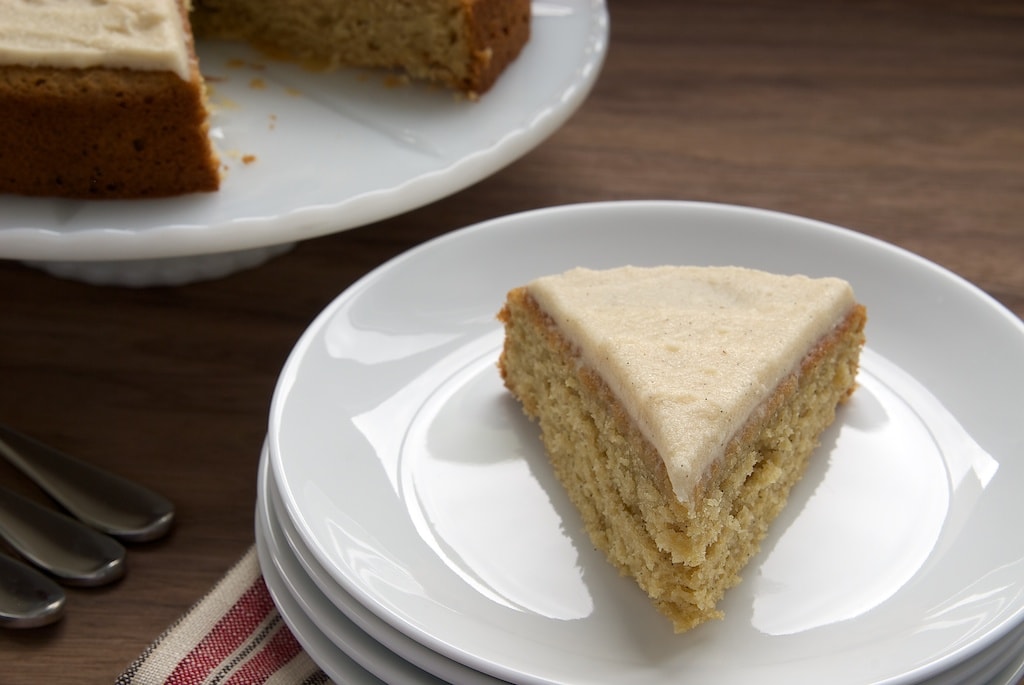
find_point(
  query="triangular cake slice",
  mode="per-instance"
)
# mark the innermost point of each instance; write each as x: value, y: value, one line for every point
x: 679, y: 405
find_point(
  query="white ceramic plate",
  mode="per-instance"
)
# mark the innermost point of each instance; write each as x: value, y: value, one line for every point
x: 328, y: 151
x: 345, y: 628
x: 416, y: 482
x: 348, y: 655
x: 347, y: 624
x: 335, y: 663
x: 339, y: 615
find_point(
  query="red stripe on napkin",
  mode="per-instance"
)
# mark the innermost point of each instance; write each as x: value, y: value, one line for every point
x: 281, y: 648
x: 228, y: 634
x: 232, y: 636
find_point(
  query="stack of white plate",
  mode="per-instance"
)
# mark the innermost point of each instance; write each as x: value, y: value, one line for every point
x: 410, y: 530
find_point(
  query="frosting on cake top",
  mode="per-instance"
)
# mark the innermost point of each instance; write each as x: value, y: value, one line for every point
x: 134, y: 34
x: 691, y: 352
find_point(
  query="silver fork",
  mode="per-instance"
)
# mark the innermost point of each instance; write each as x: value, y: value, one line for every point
x: 28, y: 599
x: 74, y: 553
x: 107, y: 502
x: 69, y: 551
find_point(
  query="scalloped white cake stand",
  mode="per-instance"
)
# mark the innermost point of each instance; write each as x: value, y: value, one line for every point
x: 308, y: 153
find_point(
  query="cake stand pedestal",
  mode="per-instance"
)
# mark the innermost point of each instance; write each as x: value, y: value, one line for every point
x: 163, y: 271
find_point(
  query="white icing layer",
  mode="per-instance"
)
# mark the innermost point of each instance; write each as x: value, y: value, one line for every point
x: 691, y: 352
x: 135, y: 34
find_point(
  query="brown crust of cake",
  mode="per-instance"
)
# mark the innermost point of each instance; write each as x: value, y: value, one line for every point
x: 683, y: 554
x: 462, y: 44
x: 497, y: 30
x: 103, y: 133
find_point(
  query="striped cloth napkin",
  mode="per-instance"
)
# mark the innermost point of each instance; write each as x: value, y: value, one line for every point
x: 232, y: 636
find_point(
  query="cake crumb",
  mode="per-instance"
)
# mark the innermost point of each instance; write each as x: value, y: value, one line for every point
x: 396, y: 80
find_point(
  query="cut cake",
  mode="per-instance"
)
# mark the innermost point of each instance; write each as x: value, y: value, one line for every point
x: 678, y: 406
x: 101, y: 100
x: 105, y: 99
x: 461, y: 44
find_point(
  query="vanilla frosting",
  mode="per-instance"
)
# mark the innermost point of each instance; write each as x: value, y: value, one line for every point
x: 691, y: 352
x: 134, y: 34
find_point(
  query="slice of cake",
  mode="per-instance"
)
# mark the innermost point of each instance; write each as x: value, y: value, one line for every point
x: 102, y: 100
x: 461, y: 44
x: 678, y: 406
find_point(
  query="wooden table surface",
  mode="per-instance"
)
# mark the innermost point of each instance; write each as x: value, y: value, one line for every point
x: 901, y: 120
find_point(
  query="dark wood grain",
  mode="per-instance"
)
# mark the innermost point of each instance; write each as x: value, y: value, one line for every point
x: 902, y: 120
